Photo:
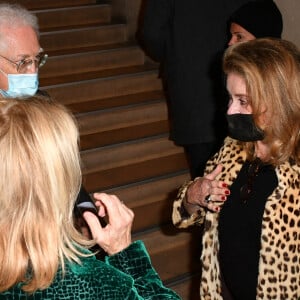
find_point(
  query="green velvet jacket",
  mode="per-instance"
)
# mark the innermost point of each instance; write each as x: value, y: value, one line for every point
x: 125, y: 275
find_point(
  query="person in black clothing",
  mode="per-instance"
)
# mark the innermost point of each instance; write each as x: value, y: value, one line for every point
x: 188, y: 38
x: 255, y: 19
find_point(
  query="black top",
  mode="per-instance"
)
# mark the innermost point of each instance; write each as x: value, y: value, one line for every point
x: 240, y: 229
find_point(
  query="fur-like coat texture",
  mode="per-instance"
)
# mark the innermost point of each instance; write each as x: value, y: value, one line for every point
x: 279, y: 261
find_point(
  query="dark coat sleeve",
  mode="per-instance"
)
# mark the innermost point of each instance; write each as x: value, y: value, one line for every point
x: 156, y: 27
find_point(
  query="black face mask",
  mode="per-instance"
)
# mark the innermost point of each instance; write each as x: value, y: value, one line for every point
x: 241, y: 127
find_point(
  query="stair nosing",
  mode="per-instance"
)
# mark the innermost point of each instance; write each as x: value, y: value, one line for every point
x: 107, y: 78
x: 35, y: 11
x: 94, y: 51
x: 84, y: 28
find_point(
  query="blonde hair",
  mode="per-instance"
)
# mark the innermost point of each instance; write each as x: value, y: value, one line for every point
x: 271, y: 70
x: 40, y: 178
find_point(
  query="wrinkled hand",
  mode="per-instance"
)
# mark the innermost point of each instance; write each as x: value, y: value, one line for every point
x: 207, y: 192
x: 116, y: 235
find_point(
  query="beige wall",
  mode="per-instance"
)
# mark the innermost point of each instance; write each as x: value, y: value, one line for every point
x: 290, y: 10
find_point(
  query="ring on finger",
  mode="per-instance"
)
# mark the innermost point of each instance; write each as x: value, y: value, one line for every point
x: 207, y: 198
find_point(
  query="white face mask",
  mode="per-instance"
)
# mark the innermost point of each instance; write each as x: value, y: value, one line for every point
x: 21, y: 85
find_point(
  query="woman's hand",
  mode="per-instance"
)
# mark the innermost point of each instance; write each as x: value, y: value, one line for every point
x: 207, y: 192
x: 116, y: 235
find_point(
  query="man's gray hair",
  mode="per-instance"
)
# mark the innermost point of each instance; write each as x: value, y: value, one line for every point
x: 14, y: 15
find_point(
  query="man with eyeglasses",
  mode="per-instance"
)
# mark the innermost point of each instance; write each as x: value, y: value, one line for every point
x: 20, y: 52
x: 21, y: 56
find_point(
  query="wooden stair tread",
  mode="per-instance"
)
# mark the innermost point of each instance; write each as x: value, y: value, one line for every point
x: 125, y: 134
x: 101, y: 89
x: 87, y: 36
x: 151, y: 191
x: 153, y: 199
x: 138, y: 171
x: 90, y: 48
x: 187, y: 287
x: 117, y: 101
x: 101, y: 128
x: 76, y: 76
x: 111, y: 166
x: 129, y: 153
x: 46, y: 4
x: 91, y: 61
x: 73, y: 17
x: 170, y: 243
x: 106, y: 120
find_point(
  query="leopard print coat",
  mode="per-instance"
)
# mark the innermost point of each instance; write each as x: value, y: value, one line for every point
x: 279, y: 263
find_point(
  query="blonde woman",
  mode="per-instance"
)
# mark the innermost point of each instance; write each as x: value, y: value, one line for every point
x: 43, y: 256
x: 249, y: 198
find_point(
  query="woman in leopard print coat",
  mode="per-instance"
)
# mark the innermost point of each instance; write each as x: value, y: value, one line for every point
x: 249, y: 197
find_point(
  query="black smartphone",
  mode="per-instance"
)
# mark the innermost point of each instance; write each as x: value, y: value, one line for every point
x: 89, y: 205
x: 85, y: 203
x: 81, y: 207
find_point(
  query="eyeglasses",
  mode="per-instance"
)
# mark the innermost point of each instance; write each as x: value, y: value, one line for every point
x: 247, y: 188
x: 23, y: 65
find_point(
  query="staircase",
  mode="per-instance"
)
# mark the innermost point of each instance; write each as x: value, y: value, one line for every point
x: 114, y: 91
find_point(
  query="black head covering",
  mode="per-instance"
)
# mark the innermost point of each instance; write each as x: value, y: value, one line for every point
x: 262, y: 18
